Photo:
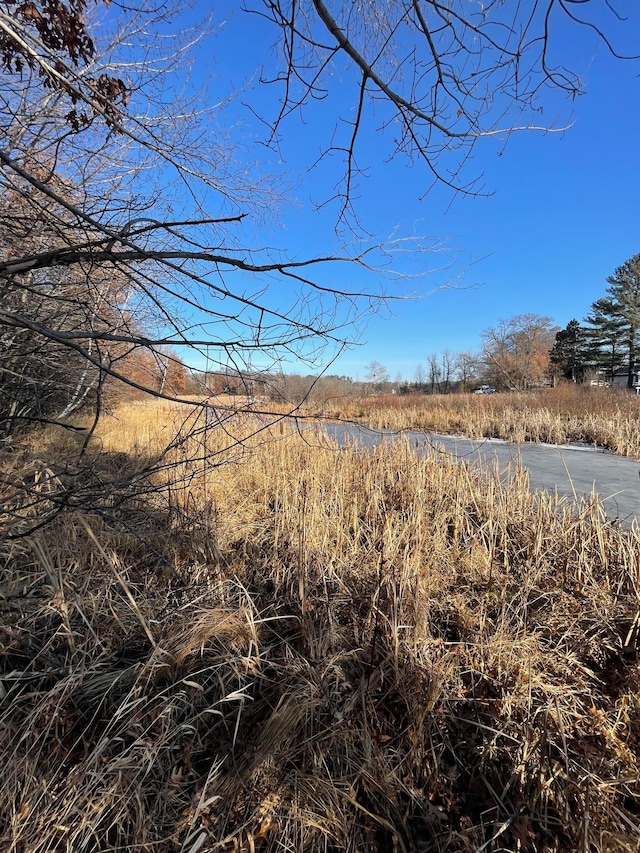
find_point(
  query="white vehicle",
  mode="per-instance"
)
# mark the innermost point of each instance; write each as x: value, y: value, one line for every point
x: 485, y: 389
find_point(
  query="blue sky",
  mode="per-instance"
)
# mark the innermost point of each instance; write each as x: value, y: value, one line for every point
x: 562, y: 214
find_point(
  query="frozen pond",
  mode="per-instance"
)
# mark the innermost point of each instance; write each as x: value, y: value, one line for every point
x: 566, y: 469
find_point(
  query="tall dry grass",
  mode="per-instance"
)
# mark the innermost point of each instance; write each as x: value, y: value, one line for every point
x: 317, y: 649
x: 608, y: 418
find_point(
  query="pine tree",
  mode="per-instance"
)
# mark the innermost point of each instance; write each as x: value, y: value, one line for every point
x: 605, y: 341
x: 624, y: 291
x: 569, y: 351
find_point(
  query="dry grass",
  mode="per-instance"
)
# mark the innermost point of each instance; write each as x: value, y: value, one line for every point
x: 598, y: 416
x: 314, y: 649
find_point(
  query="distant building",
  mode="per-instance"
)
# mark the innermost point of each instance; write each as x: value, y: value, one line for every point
x: 621, y: 376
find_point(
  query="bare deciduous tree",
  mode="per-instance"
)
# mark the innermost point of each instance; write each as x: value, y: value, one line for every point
x: 467, y: 368
x: 376, y: 375
x: 517, y: 352
x: 419, y: 377
x: 446, y: 369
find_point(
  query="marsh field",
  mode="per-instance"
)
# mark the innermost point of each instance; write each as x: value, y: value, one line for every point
x: 221, y: 637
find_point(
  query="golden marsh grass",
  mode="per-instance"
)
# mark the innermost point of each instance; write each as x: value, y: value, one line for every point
x: 308, y: 648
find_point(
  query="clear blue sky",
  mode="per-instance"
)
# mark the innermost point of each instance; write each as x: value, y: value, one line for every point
x: 563, y: 213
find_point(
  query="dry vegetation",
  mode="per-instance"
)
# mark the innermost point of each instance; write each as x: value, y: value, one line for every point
x: 598, y: 416
x: 310, y: 649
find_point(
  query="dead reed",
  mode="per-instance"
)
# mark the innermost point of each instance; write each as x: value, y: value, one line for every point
x: 318, y: 649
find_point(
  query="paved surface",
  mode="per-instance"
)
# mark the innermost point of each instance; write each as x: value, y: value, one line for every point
x: 568, y: 470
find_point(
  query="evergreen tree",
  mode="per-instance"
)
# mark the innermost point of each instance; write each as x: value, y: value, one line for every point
x: 605, y: 341
x: 569, y: 351
x: 624, y: 291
